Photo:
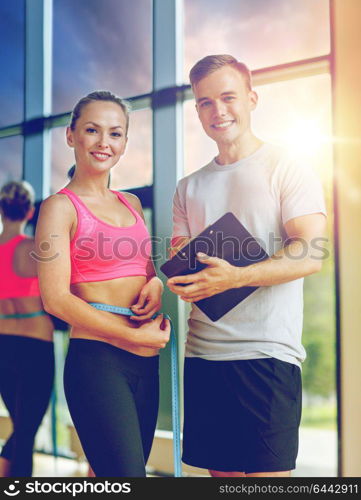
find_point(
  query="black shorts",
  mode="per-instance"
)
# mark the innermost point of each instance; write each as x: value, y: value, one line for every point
x: 241, y: 415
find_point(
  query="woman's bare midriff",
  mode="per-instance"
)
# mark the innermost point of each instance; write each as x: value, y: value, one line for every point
x: 121, y: 292
x: 39, y: 327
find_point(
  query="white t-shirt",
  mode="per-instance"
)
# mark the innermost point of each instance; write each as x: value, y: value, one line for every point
x: 264, y: 191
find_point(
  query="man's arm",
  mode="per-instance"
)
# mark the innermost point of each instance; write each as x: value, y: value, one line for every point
x: 301, y: 257
x: 181, y: 231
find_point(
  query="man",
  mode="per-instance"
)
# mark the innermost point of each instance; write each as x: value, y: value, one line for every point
x: 242, y: 381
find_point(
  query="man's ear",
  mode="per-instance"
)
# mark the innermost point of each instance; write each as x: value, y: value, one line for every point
x: 69, y: 137
x: 253, y: 99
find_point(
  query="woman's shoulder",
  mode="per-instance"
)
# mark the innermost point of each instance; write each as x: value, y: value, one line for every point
x: 57, y: 201
x: 58, y: 211
x: 133, y: 200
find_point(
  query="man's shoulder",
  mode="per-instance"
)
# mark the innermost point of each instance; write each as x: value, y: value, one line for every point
x: 292, y: 172
x: 282, y: 160
x: 278, y: 153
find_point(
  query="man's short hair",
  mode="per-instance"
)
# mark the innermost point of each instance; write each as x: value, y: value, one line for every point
x: 209, y: 64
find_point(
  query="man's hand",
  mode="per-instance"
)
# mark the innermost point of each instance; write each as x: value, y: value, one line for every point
x: 149, y: 301
x: 217, y: 277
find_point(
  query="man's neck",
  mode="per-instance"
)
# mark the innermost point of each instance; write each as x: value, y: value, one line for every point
x: 231, y: 153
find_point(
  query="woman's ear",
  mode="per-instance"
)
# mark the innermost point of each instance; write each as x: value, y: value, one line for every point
x: 69, y: 137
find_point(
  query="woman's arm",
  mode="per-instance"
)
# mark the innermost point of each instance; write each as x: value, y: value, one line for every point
x: 52, y: 253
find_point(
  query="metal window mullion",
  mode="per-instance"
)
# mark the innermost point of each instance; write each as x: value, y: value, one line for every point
x: 262, y: 76
x: 38, y: 56
x: 167, y: 157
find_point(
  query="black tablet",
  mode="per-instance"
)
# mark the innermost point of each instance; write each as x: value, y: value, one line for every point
x: 227, y: 239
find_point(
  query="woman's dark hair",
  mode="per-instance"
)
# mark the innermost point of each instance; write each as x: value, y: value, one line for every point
x: 71, y: 172
x: 99, y: 95
x: 16, y: 199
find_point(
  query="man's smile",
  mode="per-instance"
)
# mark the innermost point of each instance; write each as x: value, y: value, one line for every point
x: 222, y: 125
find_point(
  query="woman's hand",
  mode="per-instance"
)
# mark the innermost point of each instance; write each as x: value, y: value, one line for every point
x: 151, y: 333
x: 149, y: 300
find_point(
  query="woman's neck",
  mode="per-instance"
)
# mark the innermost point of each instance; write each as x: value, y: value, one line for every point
x: 12, y: 229
x: 89, y: 186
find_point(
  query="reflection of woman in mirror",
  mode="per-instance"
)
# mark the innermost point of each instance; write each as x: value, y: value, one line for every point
x: 26, y: 333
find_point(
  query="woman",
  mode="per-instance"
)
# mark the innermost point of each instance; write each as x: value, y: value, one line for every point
x: 26, y: 347
x: 95, y: 248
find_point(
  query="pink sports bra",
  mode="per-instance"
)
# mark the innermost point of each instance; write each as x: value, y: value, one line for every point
x: 11, y: 284
x: 100, y: 251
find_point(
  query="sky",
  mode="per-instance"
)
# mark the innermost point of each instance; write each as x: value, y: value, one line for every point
x: 260, y: 33
x: 107, y: 44
x: 11, y: 58
x: 103, y: 44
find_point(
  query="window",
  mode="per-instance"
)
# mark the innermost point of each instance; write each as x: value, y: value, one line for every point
x: 135, y: 167
x: 297, y: 115
x: 11, y: 154
x: 100, y: 46
x: 12, y: 21
x: 260, y: 33
x: 62, y: 159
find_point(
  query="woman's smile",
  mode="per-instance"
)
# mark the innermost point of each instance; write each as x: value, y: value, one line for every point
x: 100, y: 156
